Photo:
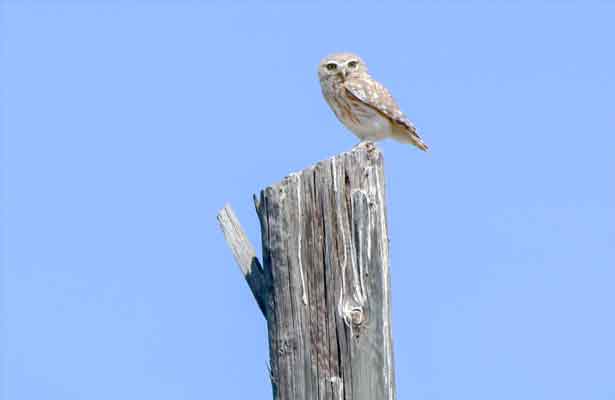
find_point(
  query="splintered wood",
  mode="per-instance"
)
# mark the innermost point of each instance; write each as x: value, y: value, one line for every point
x: 324, y: 282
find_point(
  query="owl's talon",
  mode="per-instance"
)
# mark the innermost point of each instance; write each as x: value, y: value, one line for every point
x: 368, y: 144
x: 358, y: 145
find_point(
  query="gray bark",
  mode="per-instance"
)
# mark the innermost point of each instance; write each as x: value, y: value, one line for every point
x: 324, y: 282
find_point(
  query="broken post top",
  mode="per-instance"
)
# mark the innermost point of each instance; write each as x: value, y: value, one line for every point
x: 353, y: 162
x: 362, y: 152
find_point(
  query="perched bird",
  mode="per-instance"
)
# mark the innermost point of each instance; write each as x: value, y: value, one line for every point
x: 361, y: 103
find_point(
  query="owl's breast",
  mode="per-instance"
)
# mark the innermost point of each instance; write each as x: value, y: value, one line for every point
x: 369, y: 124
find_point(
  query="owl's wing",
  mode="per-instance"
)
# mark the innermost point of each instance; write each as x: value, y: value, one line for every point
x: 376, y: 96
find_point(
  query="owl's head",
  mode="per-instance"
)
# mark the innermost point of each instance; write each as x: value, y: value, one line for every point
x: 339, y: 66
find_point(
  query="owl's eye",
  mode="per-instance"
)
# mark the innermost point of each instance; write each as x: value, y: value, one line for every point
x: 331, y: 66
x: 352, y: 64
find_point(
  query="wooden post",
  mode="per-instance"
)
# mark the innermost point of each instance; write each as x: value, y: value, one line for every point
x: 324, y: 282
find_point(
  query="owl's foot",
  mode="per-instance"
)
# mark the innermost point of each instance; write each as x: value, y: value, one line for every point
x: 368, y: 144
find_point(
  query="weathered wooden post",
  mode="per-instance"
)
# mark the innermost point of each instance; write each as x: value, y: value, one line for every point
x: 324, y: 282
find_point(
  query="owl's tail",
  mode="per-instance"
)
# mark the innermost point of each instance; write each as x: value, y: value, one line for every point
x: 408, y: 134
x: 418, y: 142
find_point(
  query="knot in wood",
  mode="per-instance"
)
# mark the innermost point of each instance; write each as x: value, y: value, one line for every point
x: 286, y: 346
x: 356, y: 316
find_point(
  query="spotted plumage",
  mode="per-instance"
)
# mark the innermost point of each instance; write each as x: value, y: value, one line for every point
x: 361, y: 103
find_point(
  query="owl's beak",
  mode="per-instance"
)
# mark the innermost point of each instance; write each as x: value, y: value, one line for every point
x: 343, y: 73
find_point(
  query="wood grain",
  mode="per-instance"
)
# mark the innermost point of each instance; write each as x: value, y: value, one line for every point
x: 324, y: 284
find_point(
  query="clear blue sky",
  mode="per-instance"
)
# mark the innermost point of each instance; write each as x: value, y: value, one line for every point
x: 126, y: 126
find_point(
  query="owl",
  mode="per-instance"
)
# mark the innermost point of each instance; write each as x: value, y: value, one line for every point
x: 361, y: 103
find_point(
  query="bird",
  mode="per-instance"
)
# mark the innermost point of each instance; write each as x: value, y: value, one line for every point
x: 362, y: 103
